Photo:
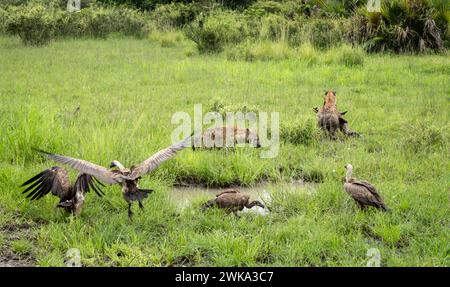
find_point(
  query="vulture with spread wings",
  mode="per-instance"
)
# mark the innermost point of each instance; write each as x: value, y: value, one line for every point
x: 56, y: 181
x: 126, y: 177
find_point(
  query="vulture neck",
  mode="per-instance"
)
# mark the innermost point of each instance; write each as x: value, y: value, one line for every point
x: 255, y: 203
x: 119, y: 165
x: 348, y: 176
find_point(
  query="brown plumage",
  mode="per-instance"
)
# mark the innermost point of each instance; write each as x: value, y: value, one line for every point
x: 363, y: 192
x: 330, y: 119
x: 56, y: 181
x: 232, y: 201
x: 225, y: 136
x: 126, y: 177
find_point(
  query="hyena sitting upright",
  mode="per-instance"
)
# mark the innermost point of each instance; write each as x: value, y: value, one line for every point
x: 330, y: 119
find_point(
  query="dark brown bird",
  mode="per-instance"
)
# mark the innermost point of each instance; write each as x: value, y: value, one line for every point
x: 126, y: 177
x: 330, y: 119
x: 362, y: 192
x: 56, y: 181
x: 232, y: 201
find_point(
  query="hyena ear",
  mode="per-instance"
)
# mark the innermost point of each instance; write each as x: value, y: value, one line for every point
x: 334, y: 92
x: 325, y: 91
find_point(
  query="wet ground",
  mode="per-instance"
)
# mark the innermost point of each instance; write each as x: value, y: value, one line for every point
x: 183, y: 195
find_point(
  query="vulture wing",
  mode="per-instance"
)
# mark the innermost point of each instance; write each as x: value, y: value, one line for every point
x: 227, y: 191
x: 86, y: 182
x: 53, y: 180
x: 361, y: 193
x: 371, y: 189
x: 158, y: 158
x: 87, y: 167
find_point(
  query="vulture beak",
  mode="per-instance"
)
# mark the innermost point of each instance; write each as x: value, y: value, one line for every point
x: 112, y: 165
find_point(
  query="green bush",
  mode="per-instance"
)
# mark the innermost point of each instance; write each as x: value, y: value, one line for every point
x: 129, y: 22
x: 346, y: 55
x: 307, y: 53
x: 211, y: 33
x: 175, y: 15
x: 35, y: 25
x: 298, y: 133
x: 166, y: 38
x: 403, y: 26
x: 324, y: 33
x: 263, y: 51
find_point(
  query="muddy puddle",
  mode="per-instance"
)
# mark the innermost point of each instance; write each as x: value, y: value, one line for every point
x: 184, y: 195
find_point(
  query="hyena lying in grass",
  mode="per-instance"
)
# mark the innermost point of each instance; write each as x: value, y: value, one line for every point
x: 330, y: 119
x: 225, y: 137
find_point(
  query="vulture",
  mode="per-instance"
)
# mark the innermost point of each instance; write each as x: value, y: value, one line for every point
x: 126, y: 177
x: 330, y: 119
x: 232, y: 201
x: 56, y: 181
x: 216, y: 137
x: 363, y: 192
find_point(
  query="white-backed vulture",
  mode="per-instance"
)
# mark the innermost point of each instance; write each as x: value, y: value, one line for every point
x: 362, y: 192
x: 232, y: 201
x: 126, y: 177
x: 56, y: 181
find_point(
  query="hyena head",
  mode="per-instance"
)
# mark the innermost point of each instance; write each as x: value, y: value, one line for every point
x: 330, y: 98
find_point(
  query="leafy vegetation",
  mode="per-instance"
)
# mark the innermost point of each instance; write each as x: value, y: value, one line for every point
x: 107, y: 99
x: 394, y: 101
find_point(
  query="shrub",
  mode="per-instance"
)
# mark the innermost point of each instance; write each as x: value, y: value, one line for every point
x: 33, y: 24
x: 129, y: 22
x: 167, y: 38
x: 37, y: 25
x: 307, y: 53
x: 297, y: 133
x: 175, y: 15
x: 211, y: 33
x: 264, y: 51
x: 323, y: 33
x: 218, y: 105
x: 346, y: 55
x: 403, y: 26
x: 3, y: 20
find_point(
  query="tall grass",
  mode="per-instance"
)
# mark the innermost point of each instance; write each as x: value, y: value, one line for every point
x: 394, y: 101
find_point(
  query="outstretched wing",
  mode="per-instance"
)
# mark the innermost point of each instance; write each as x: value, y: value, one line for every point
x: 53, y: 180
x: 86, y: 182
x: 87, y: 167
x: 158, y: 158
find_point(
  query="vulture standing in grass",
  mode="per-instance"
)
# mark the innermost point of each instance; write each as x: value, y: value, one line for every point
x: 362, y: 192
x: 126, y: 177
x: 330, y: 119
x: 56, y: 181
x: 232, y: 201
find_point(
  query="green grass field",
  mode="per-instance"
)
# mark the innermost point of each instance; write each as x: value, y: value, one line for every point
x: 128, y: 90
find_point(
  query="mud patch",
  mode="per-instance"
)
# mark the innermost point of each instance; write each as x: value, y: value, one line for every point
x: 16, y: 231
x: 184, y: 195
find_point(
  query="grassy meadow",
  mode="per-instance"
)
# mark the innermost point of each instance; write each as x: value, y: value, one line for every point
x: 127, y: 91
